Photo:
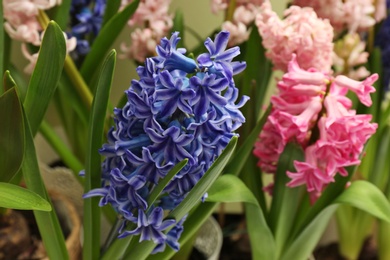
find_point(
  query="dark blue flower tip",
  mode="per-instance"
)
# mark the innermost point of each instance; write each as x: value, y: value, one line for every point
x: 171, y: 58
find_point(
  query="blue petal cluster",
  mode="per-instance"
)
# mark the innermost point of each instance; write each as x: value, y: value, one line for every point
x: 382, y: 41
x: 179, y: 108
x: 86, y: 21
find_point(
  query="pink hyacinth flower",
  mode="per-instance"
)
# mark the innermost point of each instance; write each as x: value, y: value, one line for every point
x: 361, y: 88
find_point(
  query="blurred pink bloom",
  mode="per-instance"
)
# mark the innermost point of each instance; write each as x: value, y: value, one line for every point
x: 301, y: 32
x: 21, y: 22
x: 143, y: 44
x: 380, y: 10
x: 349, y: 57
x: 151, y: 22
x: 354, y: 15
x: 244, y: 14
x: 238, y: 32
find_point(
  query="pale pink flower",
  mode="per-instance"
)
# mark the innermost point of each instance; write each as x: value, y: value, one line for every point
x: 21, y: 22
x: 354, y: 15
x: 238, y: 32
x: 218, y: 5
x: 380, y: 10
x: 32, y: 58
x: 151, y: 22
x: 143, y: 44
x: 28, y: 32
x: 301, y: 32
x: 358, y: 14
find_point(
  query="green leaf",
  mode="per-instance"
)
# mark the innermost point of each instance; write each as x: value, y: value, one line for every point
x: 204, y: 183
x: 105, y: 39
x: 164, y: 182
x: 8, y: 81
x: 229, y: 188
x: 11, y: 135
x: 112, y: 8
x: 261, y: 239
x: 258, y: 72
x: 21, y: 84
x: 367, y: 197
x: 15, y: 197
x: 48, y: 224
x: 304, y: 244
x: 285, y: 200
x: 327, y: 197
x: 61, y: 15
x: 91, y: 246
x: 46, y: 75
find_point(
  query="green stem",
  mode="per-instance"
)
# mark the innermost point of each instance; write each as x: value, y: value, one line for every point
x: 62, y: 150
x: 230, y: 10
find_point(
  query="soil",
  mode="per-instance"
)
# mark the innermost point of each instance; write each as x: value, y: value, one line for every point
x: 331, y: 252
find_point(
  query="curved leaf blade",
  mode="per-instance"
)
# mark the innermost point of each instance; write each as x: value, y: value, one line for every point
x: 16, y: 197
x: 91, y: 246
x: 11, y: 135
x: 304, y: 244
x: 45, y: 76
x: 367, y: 197
x: 229, y: 188
x: 48, y: 224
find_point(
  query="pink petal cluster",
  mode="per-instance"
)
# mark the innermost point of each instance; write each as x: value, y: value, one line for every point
x: 301, y: 32
x: 21, y: 22
x: 150, y: 22
x: 244, y: 14
x: 354, y: 15
x: 308, y: 100
x: 350, y: 56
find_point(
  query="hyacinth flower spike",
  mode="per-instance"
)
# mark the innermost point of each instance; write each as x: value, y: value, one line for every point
x: 179, y: 109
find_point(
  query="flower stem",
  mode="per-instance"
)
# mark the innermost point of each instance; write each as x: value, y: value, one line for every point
x: 59, y: 146
x: 230, y: 10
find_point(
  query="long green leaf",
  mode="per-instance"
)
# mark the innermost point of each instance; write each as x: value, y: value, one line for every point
x: 15, y: 197
x: 204, y: 183
x: 304, y: 244
x: 262, y: 241
x: 91, y: 245
x: 112, y: 8
x: 143, y: 249
x: 46, y: 75
x: 229, y: 188
x: 285, y: 200
x: 367, y: 197
x: 48, y: 224
x: 164, y: 182
x: 105, y: 39
x: 61, y: 15
x: 11, y: 135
